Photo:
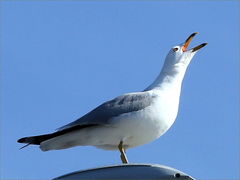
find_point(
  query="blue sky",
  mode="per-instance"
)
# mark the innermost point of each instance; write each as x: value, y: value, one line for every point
x: 60, y: 59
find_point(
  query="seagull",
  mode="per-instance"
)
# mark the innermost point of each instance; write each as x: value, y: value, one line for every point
x: 129, y: 120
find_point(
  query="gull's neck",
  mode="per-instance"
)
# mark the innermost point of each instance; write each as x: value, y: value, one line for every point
x: 170, y: 78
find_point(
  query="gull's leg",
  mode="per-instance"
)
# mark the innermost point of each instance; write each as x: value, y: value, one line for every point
x: 123, y: 154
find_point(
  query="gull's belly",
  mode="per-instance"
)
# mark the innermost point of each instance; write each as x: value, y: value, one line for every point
x: 141, y: 128
x: 145, y: 126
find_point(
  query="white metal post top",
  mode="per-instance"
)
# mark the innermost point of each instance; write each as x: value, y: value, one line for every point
x: 128, y: 172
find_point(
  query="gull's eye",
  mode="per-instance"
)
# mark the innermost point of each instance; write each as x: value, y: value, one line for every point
x: 175, y: 49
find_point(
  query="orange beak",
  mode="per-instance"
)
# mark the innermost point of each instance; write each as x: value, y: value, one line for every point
x: 188, y: 41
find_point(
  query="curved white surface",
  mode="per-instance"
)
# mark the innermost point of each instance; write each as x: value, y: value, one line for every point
x: 128, y: 172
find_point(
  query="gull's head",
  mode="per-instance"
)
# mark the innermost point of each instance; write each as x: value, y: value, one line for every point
x: 180, y: 54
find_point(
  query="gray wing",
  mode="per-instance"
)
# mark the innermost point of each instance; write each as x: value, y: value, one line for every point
x: 115, y: 107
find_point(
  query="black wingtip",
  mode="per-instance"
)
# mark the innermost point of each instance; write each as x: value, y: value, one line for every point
x: 22, y: 140
x: 24, y: 146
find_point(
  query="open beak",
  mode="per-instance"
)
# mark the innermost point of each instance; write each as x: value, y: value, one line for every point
x: 188, y: 41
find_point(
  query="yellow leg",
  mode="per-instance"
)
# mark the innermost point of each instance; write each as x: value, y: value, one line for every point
x: 123, y: 154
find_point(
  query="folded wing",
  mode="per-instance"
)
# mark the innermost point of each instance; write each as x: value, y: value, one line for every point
x: 103, y: 114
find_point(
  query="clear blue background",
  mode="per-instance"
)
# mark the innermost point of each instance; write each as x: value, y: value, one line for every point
x: 61, y: 59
